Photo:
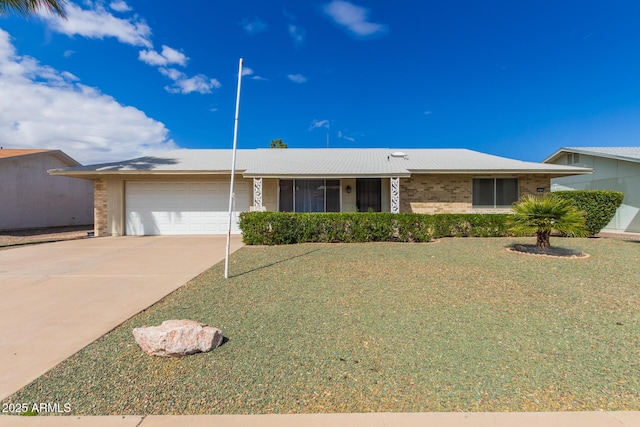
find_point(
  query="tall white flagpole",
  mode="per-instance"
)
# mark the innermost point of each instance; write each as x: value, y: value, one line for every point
x: 233, y: 172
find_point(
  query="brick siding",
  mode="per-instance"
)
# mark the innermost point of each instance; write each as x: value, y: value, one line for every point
x: 436, y: 194
x: 453, y: 193
x: 100, y: 207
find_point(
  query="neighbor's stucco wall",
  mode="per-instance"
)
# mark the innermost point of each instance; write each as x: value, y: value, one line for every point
x: 30, y: 197
x: 608, y: 174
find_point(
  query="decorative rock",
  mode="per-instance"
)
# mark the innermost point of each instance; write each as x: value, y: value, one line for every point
x: 176, y: 338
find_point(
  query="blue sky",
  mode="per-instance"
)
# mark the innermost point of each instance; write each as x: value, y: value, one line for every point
x: 120, y: 79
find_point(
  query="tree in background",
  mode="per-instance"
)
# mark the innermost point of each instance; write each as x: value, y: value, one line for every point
x: 542, y: 215
x: 277, y: 143
x: 31, y: 7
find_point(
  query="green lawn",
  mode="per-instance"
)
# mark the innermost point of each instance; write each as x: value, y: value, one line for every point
x: 456, y: 325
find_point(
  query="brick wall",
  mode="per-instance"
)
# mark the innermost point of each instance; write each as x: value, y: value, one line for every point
x: 453, y: 193
x: 529, y: 184
x: 100, y: 207
x: 436, y: 194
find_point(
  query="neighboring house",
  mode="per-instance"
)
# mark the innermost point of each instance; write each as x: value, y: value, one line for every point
x: 31, y: 198
x: 614, y: 168
x: 187, y: 191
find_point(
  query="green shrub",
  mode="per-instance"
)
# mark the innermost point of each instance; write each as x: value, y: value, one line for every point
x: 278, y: 228
x: 599, y: 206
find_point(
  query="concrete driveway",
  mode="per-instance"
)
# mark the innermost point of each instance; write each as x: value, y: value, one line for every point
x: 56, y: 298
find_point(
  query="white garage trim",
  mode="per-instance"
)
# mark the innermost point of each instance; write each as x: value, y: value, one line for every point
x: 182, y: 207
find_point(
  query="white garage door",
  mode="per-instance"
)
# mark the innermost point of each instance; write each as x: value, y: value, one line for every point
x: 162, y: 208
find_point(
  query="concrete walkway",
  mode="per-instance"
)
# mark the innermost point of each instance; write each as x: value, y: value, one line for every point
x: 434, y: 419
x: 56, y: 298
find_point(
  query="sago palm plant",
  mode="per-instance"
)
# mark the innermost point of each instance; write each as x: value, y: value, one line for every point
x: 543, y: 215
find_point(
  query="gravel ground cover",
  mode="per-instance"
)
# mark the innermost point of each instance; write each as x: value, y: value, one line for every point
x: 14, y: 238
x: 456, y: 325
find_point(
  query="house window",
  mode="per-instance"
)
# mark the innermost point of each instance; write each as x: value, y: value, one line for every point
x: 573, y: 158
x: 309, y: 195
x: 494, y: 192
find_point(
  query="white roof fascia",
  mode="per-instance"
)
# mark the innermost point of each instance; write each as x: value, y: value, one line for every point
x: 591, y: 152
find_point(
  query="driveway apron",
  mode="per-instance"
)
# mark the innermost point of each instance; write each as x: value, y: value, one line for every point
x: 56, y: 298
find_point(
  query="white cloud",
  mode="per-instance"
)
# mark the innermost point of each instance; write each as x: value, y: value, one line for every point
x: 254, y: 25
x: 428, y: 113
x: 354, y: 18
x: 319, y: 124
x: 343, y: 136
x: 297, y: 33
x: 185, y: 85
x: 166, y: 57
x: 120, y: 6
x: 98, y: 23
x: 246, y: 71
x: 41, y: 107
x: 297, y: 78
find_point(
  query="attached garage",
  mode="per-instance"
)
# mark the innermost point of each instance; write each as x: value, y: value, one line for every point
x: 174, y: 208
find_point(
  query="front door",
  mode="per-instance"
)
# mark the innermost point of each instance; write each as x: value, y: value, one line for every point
x: 368, y: 194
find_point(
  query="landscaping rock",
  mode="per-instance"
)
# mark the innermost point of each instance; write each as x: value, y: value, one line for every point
x: 177, y: 338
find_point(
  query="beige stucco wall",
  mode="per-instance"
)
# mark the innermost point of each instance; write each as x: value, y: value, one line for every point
x: 30, y: 197
x: 270, y: 194
x: 608, y: 174
x: 348, y: 199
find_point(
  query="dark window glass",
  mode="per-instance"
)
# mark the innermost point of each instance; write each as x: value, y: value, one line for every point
x: 332, y: 195
x: 368, y: 194
x: 506, y: 192
x: 483, y: 193
x: 495, y: 192
x: 286, y: 195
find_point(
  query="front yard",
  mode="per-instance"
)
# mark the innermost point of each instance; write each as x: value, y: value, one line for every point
x: 456, y: 325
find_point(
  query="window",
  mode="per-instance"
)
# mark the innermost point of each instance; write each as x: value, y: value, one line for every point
x: 573, y: 158
x: 309, y: 195
x: 494, y: 192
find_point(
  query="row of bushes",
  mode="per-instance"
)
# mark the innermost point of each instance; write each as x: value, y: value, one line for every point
x: 278, y: 228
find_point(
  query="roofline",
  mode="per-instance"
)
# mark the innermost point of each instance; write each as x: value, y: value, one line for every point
x: 86, y: 173
x: 557, y: 154
x: 563, y: 171
x: 56, y: 153
x: 89, y: 174
x: 328, y: 175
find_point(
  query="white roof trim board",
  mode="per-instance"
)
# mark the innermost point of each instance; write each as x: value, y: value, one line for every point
x: 630, y: 154
x: 323, y: 162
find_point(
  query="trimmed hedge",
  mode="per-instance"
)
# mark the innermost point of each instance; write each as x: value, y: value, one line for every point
x: 279, y: 228
x: 599, y: 205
